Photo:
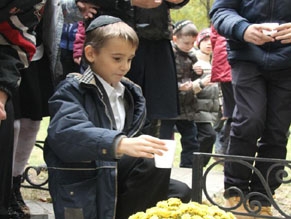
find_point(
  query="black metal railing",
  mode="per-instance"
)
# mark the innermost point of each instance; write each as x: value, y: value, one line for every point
x: 36, y: 177
x: 279, y: 168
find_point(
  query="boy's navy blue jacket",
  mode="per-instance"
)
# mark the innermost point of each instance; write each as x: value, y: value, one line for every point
x: 80, y: 146
x: 234, y: 19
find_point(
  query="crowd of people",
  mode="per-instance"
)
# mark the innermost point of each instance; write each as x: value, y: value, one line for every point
x: 117, y: 77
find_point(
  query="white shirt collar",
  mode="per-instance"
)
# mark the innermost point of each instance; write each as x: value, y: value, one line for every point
x: 119, y: 88
x: 115, y: 95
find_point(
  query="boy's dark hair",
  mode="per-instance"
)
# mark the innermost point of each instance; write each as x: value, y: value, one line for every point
x: 185, y: 28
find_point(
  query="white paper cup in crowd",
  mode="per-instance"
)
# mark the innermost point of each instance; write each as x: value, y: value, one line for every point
x: 272, y: 26
x: 167, y: 159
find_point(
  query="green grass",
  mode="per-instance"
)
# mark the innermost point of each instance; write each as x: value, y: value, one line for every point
x: 43, y: 129
x: 37, y: 158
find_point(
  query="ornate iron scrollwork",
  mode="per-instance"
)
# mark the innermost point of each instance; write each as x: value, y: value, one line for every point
x: 249, y: 201
x: 36, y: 176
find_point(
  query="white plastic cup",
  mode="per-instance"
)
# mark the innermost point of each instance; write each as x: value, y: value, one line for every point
x: 271, y: 25
x: 166, y: 160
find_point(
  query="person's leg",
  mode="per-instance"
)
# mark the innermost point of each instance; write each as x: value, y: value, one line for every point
x: 6, y: 148
x: 179, y: 190
x: 167, y: 129
x: 228, y: 108
x: 248, y: 121
x: 140, y: 185
x: 228, y: 99
x: 274, y: 139
x: 206, y: 137
x: 16, y: 127
x: 152, y: 128
x: 29, y: 106
x: 23, y: 146
x: 14, y: 206
x: 189, y: 141
x: 26, y: 141
x: 222, y: 137
x: 219, y: 142
x: 225, y: 137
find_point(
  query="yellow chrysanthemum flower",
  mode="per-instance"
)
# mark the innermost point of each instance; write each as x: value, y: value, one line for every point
x: 173, y: 208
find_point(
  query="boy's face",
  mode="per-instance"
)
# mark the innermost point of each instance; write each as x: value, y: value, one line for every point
x: 113, y: 60
x: 205, y: 46
x: 184, y: 43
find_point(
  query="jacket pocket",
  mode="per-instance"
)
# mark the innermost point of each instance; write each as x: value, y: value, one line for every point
x: 77, y: 200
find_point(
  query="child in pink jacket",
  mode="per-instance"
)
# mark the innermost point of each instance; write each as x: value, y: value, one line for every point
x: 78, y: 43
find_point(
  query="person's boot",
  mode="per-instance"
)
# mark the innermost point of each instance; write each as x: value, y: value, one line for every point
x: 24, y: 209
x: 266, y: 211
x: 233, y: 201
x: 14, y: 210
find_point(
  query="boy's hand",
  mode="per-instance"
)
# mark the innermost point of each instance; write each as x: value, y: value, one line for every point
x: 142, y: 146
x: 87, y: 10
x: 185, y: 86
